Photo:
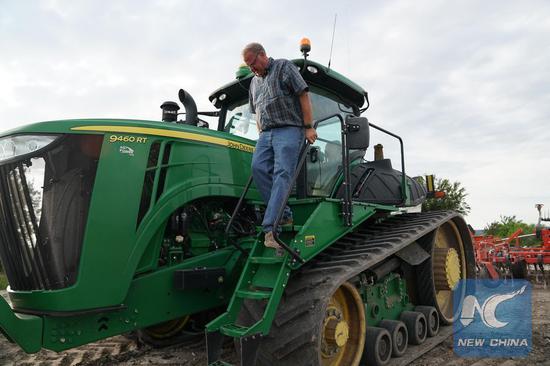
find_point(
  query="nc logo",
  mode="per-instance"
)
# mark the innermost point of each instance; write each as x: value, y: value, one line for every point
x: 487, y: 311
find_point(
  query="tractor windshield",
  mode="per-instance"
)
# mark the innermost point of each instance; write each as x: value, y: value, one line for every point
x: 241, y: 122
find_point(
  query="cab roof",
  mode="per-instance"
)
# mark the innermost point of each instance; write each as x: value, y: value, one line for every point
x: 315, y: 75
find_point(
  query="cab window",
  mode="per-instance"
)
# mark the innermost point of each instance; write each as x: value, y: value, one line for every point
x: 324, y: 160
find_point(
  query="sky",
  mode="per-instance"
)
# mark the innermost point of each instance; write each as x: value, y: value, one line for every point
x: 466, y: 84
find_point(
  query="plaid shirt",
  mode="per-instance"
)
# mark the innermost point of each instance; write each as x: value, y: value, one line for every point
x: 274, y: 97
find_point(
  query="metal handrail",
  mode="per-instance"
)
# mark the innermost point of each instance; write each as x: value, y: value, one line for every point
x: 403, y: 176
x: 347, y: 210
x: 235, y: 211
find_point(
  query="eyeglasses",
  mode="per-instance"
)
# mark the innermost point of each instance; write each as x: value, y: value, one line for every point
x: 253, y: 61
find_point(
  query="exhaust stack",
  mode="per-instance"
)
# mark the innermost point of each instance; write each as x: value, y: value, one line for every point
x: 170, y: 109
x: 190, y: 108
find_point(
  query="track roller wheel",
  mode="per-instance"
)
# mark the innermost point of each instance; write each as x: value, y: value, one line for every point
x: 432, y: 319
x: 399, y: 336
x: 416, y: 326
x: 378, y: 347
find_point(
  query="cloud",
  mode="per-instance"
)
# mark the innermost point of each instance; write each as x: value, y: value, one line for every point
x: 466, y: 84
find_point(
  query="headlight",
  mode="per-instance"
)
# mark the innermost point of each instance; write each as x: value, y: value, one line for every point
x: 13, y: 146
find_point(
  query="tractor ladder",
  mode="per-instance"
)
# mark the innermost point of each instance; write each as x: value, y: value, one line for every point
x: 264, y: 278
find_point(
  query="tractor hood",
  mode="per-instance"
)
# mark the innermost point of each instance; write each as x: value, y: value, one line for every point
x: 135, y: 127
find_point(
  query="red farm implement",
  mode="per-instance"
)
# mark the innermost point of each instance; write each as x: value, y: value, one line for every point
x: 507, y: 258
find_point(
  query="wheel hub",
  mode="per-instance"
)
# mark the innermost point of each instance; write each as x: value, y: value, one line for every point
x: 399, y: 338
x: 446, y: 268
x: 336, y: 332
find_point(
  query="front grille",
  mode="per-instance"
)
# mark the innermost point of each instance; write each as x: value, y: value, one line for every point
x: 44, y: 201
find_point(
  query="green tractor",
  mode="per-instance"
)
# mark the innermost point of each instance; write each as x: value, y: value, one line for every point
x: 116, y: 226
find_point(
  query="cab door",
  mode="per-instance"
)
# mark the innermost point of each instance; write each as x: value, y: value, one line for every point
x: 323, y: 164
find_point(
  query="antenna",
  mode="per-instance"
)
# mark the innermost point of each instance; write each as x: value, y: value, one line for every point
x: 332, y: 42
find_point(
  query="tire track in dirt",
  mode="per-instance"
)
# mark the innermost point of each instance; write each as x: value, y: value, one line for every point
x: 125, y: 351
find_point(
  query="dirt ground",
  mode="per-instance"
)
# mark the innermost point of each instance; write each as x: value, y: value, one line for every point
x: 540, y: 354
x: 125, y: 352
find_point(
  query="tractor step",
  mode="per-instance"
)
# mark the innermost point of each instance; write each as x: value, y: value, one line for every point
x: 254, y: 294
x: 248, y: 349
x: 233, y: 330
x: 266, y: 260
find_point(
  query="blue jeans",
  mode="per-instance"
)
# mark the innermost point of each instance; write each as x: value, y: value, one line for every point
x: 273, y: 165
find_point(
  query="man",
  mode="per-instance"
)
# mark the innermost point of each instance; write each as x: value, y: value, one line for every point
x: 279, y: 97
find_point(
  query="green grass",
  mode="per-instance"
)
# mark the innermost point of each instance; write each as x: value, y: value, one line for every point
x: 3, y: 281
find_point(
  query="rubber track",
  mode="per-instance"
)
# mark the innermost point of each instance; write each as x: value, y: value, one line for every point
x: 363, y: 248
x: 293, y: 336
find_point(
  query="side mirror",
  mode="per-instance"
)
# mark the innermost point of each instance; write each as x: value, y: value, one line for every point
x: 358, y: 135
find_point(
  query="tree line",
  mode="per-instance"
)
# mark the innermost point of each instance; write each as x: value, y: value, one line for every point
x: 455, y: 199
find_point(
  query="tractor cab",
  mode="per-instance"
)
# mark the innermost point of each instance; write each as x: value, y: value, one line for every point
x: 324, y: 157
x: 335, y: 99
